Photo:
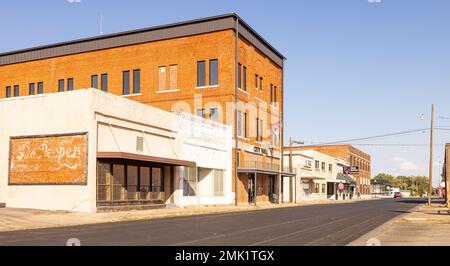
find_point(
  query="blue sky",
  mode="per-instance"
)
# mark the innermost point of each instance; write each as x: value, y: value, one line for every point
x: 354, y: 68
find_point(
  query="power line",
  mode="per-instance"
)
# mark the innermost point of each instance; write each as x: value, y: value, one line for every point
x: 378, y: 136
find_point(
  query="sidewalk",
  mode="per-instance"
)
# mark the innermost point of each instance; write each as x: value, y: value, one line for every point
x: 23, y: 219
x: 423, y: 226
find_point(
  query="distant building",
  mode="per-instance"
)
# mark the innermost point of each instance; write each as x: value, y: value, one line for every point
x: 359, y: 162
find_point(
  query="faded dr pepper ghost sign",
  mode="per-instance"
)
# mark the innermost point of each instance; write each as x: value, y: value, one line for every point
x: 48, y: 160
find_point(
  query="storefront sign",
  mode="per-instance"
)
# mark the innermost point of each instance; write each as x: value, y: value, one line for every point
x: 48, y: 160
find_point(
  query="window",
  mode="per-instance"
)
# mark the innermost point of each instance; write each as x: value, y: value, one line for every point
x: 132, y: 182
x: 275, y: 94
x: 31, y: 89
x: 261, y: 133
x: 316, y: 188
x: 271, y: 93
x: 324, y: 188
x: 173, y: 83
x: 245, y: 126
x: 126, y: 83
x: 144, y: 183
x: 257, y: 129
x: 245, y: 78
x: 219, y: 183
x: 239, y: 123
x: 323, y: 166
x: 40, y: 87
x: 157, y: 180
x: 104, y: 82
x: 162, y: 78
x: 317, y: 165
x: 256, y: 81
x: 136, y: 81
x: 201, y: 74
x: 201, y: 113
x: 239, y: 77
x: 70, y: 84
x: 16, y: 91
x: 214, y: 114
x: 261, y: 84
x: 8, y: 92
x: 330, y: 167
x: 190, y: 183
x: 61, y: 85
x: 213, y: 72
x: 94, y: 81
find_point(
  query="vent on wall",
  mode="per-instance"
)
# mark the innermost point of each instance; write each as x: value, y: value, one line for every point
x: 139, y: 144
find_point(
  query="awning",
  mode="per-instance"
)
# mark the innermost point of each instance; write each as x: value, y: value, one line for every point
x: 144, y: 158
x: 345, y: 179
x: 313, y: 178
x: 264, y: 172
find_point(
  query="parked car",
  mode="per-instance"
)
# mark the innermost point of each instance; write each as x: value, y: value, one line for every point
x: 397, y: 195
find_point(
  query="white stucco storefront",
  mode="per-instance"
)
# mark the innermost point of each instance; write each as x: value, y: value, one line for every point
x: 53, y: 144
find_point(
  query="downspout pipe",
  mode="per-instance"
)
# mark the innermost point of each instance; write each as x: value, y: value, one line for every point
x: 236, y: 143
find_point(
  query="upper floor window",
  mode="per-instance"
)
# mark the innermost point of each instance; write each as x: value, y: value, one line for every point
x: 126, y: 83
x: 256, y: 81
x: 201, y: 74
x: 31, y: 89
x: 330, y: 167
x: 104, y: 82
x: 136, y: 81
x: 16, y: 91
x: 260, y: 84
x: 94, y: 81
x: 245, y: 78
x: 40, y: 88
x: 317, y: 165
x: 245, y: 125
x: 201, y: 113
x: 70, y: 84
x: 173, y: 80
x: 213, y: 72
x: 8, y: 92
x: 239, y: 76
x: 323, y: 166
x: 214, y: 114
x: 61, y: 85
x: 162, y: 77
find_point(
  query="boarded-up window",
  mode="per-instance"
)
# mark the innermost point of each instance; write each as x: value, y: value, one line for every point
x: 162, y: 74
x: 119, y: 182
x: 132, y: 182
x: 48, y: 160
x: 173, y: 77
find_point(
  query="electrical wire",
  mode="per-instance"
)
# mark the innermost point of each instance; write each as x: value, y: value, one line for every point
x: 378, y: 136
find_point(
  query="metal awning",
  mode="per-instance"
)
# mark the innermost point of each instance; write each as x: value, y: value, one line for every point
x: 313, y: 178
x: 144, y: 158
x: 264, y: 171
x: 345, y: 179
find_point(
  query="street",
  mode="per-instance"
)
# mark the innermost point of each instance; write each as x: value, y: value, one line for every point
x: 322, y: 225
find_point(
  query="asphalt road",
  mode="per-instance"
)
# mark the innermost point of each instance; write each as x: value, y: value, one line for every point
x: 333, y: 224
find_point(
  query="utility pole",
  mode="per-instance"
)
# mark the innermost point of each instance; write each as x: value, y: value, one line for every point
x: 430, y: 185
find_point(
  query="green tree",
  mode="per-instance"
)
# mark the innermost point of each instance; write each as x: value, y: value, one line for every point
x: 383, y: 176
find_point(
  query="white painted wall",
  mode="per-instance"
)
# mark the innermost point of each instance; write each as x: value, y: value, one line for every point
x: 45, y: 115
x: 112, y: 123
x: 209, y: 144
